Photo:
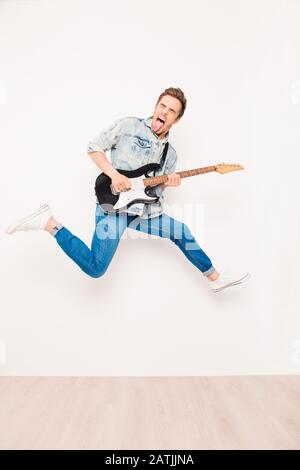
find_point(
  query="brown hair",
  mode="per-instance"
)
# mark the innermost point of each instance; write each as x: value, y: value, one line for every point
x: 176, y: 93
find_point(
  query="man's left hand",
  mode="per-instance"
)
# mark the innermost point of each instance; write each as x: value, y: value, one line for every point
x: 173, y: 180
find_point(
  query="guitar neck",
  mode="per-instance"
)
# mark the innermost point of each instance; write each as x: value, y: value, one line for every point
x: 154, y: 180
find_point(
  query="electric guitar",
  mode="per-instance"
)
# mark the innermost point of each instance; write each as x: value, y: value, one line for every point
x: 112, y: 201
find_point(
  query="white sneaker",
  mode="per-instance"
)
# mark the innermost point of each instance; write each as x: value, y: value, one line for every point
x: 225, y: 281
x: 35, y: 221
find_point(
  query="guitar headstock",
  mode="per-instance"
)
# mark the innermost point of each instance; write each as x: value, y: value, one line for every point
x: 226, y: 167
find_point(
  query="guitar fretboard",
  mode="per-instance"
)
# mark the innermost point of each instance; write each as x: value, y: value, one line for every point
x: 154, y: 180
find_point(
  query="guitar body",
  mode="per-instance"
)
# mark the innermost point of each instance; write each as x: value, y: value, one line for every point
x: 113, y: 202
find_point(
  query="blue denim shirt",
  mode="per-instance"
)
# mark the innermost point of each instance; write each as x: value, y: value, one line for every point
x: 132, y: 144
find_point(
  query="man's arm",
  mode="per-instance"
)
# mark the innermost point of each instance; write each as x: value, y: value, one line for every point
x: 101, y: 162
x: 100, y: 144
x: 103, y: 142
x: 120, y: 182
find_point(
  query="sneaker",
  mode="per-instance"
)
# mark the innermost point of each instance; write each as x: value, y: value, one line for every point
x: 224, y: 281
x: 35, y: 221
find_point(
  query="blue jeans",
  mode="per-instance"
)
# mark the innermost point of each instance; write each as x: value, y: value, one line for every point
x: 108, y: 231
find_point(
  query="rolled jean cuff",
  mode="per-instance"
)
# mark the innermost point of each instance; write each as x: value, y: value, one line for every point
x: 209, y: 271
x: 56, y: 229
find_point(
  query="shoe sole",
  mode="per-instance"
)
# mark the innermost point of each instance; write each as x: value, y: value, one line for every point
x: 235, y: 283
x: 12, y: 227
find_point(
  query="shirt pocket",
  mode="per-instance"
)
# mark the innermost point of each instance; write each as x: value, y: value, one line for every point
x: 132, y: 152
x: 141, y: 147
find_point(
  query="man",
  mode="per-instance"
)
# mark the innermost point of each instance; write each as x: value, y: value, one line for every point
x: 133, y: 142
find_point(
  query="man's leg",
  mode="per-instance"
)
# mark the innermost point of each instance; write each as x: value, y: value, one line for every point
x: 178, y: 232
x: 167, y: 227
x: 108, y: 231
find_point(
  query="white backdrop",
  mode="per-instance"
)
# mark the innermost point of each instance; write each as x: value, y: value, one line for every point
x: 68, y: 69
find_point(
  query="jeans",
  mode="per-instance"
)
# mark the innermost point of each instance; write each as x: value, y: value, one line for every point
x: 108, y: 231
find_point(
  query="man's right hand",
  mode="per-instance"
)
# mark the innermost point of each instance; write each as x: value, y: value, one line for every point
x: 120, y: 182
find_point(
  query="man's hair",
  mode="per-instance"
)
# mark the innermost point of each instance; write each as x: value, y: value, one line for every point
x: 176, y: 93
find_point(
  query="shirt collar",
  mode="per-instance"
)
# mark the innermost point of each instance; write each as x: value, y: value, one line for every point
x: 148, y: 124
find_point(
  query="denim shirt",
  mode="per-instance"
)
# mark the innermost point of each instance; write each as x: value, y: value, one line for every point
x: 132, y: 144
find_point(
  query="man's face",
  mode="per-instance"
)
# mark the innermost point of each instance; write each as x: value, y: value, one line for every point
x: 166, y: 113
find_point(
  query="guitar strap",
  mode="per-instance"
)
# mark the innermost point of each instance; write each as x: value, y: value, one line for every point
x: 163, y: 158
x: 161, y: 164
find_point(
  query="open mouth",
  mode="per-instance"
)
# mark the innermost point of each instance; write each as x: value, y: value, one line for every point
x: 159, y: 122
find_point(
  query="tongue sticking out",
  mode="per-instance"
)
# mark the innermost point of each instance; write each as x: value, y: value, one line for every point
x: 157, y: 125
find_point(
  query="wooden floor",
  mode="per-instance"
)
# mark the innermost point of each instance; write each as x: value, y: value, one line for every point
x: 150, y: 412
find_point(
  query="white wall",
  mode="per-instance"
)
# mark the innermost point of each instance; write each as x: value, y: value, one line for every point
x: 68, y: 69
